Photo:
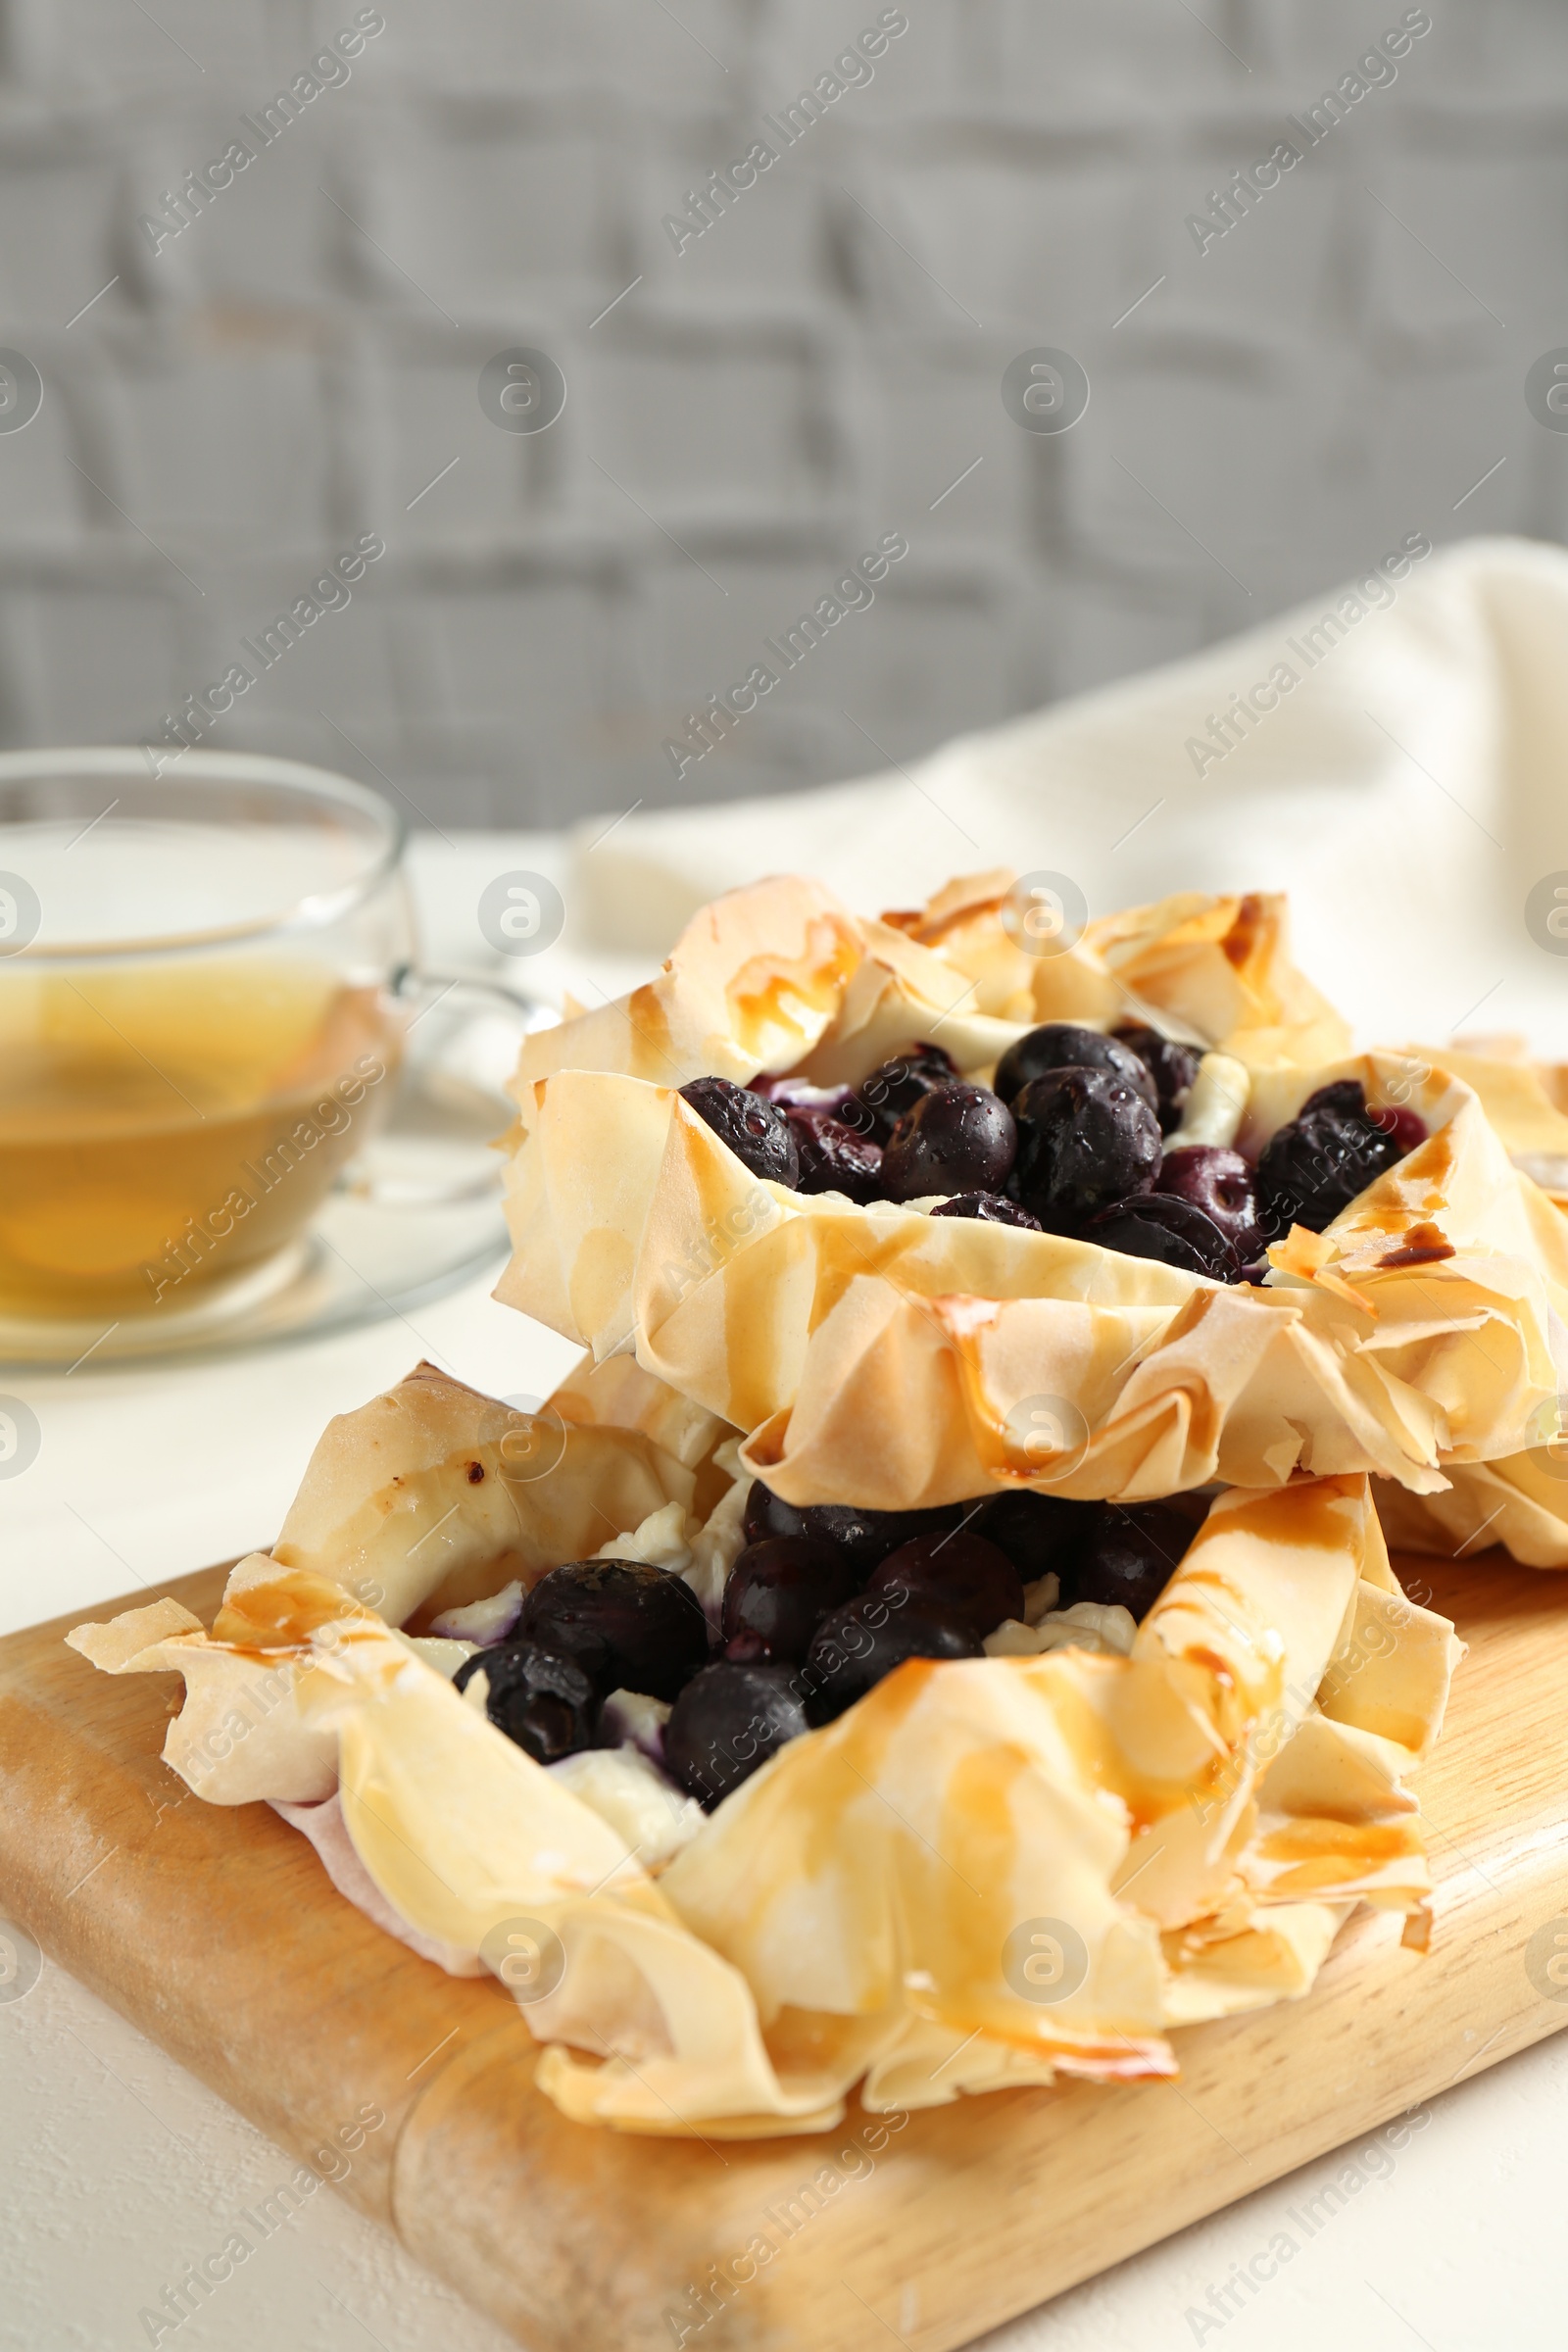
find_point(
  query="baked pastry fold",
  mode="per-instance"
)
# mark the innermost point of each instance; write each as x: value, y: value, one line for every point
x: 782, y: 974
x: 986, y: 1873
x: 882, y: 1357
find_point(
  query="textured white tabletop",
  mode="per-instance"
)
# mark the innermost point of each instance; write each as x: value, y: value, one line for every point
x: 117, y: 2169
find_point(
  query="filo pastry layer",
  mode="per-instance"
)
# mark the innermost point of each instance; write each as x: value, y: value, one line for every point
x: 986, y: 1873
x: 882, y: 1357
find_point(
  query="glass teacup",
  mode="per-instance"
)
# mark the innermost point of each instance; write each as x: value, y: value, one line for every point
x: 206, y: 993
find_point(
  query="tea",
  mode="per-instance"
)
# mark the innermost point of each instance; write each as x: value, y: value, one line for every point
x: 166, y: 1126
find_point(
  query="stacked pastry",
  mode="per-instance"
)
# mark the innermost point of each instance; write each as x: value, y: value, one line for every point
x: 942, y: 1636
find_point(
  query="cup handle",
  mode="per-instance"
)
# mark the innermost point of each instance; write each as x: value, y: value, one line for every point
x: 453, y: 1003
x: 408, y: 983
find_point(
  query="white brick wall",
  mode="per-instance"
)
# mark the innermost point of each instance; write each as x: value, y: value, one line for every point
x: 302, y: 361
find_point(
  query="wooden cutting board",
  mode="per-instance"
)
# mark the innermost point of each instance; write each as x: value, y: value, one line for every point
x: 216, y: 1932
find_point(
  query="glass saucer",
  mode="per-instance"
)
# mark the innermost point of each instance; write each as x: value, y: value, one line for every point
x: 414, y: 1215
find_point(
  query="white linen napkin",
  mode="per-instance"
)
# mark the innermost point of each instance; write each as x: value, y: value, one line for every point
x: 1398, y: 767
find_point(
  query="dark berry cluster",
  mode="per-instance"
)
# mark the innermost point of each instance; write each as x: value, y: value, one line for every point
x: 913, y: 1130
x: 587, y: 1629
x: 821, y: 1603
x: 826, y: 1600
x: 1071, y: 1138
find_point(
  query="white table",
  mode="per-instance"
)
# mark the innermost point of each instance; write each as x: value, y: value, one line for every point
x: 118, y: 2169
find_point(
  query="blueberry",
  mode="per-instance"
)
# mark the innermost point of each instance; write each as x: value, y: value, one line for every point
x: 871, y: 1635
x: 989, y: 1209
x: 898, y: 1085
x: 1135, y: 1552
x: 864, y: 1536
x: 781, y: 1588
x: 756, y: 1131
x: 1172, y: 1232
x: 1314, y: 1168
x: 1062, y: 1046
x: 834, y: 1157
x: 542, y: 1700
x: 1220, y: 1182
x: 629, y: 1626
x: 1085, y: 1140
x: 728, y: 1721
x: 1041, y: 1534
x: 957, y: 1138
x: 961, y: 1575
x: 1172, y: 1068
